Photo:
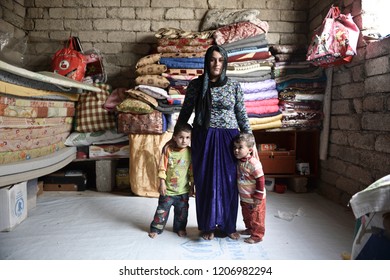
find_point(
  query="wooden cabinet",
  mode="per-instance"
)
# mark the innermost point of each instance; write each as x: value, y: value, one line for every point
x: 281, y: 149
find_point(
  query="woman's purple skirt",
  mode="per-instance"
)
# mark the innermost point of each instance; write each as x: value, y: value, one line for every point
x: 214, y: 168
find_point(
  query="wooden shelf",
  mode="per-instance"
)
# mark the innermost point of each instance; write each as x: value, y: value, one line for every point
x: 302, y: 144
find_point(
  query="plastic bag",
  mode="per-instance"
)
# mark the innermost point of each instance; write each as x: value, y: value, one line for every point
x: 335, y: 41
x: 13, y: 50
x: 95, y: 71
x: 69, y: 62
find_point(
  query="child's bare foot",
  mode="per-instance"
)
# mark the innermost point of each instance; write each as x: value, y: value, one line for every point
x: 252, y: 241
x: 152, y: 234
x: 234, y: 235
x: 208, y: 235
x: 182, y: 233
x: 245, y: 232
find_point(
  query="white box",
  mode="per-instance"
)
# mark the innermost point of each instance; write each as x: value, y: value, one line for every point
x: 303, y: 168
x: 269, y: 184
x: 13, y: 206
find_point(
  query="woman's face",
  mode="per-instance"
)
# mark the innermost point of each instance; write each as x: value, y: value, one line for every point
x: 216, y: 65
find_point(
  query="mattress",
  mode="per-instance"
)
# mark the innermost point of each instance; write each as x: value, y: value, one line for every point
x: 26, y: 170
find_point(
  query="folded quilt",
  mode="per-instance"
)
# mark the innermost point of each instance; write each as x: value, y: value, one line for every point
x: 268, y: 125
x: 262, y: 120
x: 259, y: 103
x: 250, y: 64
x: 251, y: 87
x: 177, y: 62
x: 253, y: 71
x: 302, y: 83
x: 184, y: 41
x: 245, y: 78
x: 300, y: 105
x: 179, y: 77
x: 182, y: 49
x: 257, y: 40
x: 262, y: 109
x: 308, y: 75
x: 249, y: 56
x: 183, y: 54
x: 261, y: 95
x: 246, y: 50
x: 303, y: 115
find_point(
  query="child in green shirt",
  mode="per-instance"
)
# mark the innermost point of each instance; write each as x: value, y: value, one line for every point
x: 176, y: 183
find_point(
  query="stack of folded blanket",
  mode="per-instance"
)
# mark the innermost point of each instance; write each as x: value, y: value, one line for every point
x: 301, y: 87
x: 250, y: 63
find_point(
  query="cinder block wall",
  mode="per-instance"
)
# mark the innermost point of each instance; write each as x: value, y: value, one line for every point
x: 123, y: 30
x: 359, y: 142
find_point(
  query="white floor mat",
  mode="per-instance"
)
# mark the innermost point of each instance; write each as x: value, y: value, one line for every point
x: 100, y: 226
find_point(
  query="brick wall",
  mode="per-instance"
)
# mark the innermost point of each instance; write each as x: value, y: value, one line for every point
x: 123, y: 30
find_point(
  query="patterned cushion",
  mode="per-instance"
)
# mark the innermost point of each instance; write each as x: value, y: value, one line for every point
x: 149, y: 59
x: 134, y: 106
x: 137, y: 94
x: 151, y: 69
x: 152, y: 80
x: 91, y: 116
x: 217, y: 18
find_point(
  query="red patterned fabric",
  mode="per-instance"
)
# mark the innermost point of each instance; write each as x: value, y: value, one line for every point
x: 140, y: 123
x: 184, y: 41
x: 238, y: 31
x: 249, y: 56
x: 182, y: 49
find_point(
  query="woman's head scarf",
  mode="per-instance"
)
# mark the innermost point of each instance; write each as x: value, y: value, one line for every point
x: 202, y: 106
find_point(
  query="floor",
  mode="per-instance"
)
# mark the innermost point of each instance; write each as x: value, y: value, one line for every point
x: 93, y: 225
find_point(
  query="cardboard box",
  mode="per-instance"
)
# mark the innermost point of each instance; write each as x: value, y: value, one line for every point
x: 60, y: 187
x: 122, y: 180
x: 65, y: 181
x: 109, y: 150
x: 13, y: 205
x: 40, y: 188
x: 278, y: 162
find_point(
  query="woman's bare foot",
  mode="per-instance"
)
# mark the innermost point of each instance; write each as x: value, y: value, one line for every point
x: 152, y: 234
x: 208, y: 235
x: 234, y: 235
x: 182, y: 233
x: 251, y: 241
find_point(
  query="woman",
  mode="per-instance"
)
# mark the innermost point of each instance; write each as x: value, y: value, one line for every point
x: 219, y: 116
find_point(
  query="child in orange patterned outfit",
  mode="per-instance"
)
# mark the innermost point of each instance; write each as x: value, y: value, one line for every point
x: 251, y: 188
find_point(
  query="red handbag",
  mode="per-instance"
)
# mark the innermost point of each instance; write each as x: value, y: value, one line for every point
x: 335, y: 41
x: 69, y: 62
